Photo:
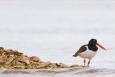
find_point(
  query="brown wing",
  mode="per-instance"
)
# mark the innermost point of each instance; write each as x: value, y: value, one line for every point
x: 82, y: 48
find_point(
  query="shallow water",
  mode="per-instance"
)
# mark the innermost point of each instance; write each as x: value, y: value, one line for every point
x: 67, y: 72
x: 54, y: 31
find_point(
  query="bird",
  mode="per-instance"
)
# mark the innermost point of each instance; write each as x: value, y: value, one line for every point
x: 88, y: 51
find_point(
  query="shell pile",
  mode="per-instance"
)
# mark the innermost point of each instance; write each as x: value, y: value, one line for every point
x: 12, y: 59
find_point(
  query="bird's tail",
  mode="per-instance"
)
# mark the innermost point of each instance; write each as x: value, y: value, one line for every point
x: 75, y: 55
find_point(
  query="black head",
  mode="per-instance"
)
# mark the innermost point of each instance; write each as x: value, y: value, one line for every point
x: 92, y: 42
x: 92, y: 45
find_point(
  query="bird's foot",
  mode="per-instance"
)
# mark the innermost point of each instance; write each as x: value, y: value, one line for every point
x: 86, y: 66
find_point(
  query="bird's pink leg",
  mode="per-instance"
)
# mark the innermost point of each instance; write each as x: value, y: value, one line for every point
x: 89, y: 62
x: 84, y: 62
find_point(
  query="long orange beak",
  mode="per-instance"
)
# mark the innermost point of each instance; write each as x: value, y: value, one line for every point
x: 101, y: 46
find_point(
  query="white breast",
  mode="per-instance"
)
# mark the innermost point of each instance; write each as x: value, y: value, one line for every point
x: 87, y: 54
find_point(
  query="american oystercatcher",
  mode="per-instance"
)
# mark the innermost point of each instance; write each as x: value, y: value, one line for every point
x: 88, y: 51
